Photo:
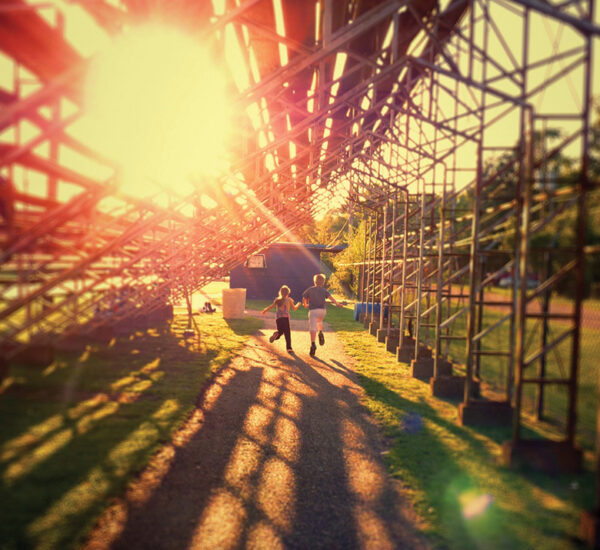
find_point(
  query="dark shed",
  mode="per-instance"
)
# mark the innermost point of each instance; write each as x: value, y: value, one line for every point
x: 291, y: 264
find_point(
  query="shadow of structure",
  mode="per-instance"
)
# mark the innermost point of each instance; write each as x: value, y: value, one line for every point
x: 81, y: 437
x: 283, y: 456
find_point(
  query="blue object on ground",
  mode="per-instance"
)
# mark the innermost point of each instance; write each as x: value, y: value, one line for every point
x: 366, y: 307
x: 411, y: 423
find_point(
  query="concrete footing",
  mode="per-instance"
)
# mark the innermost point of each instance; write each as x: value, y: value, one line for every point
x: 391, y: 343
x: 382, y: 335
x: 589, y: 528
x: 422, y: 368
x: 481, y: 412
x: 544, y: 455
x: 425, y: 353
x: 371, y: 321
x: 405, y: 354
x: 449, y: 386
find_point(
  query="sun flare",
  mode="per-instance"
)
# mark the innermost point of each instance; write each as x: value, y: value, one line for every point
x: 158, y: 107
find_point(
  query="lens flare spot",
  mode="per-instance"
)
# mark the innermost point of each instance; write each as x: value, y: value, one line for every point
x: 475, y: 504
x: 158, y: 106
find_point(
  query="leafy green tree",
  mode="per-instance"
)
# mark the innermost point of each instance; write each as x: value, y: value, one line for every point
x: 346, y: 277
x: 560, y: 233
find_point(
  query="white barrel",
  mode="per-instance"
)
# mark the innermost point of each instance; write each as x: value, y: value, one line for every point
x: 234, y: 303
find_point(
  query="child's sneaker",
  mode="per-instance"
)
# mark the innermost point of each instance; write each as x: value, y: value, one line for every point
x: 321, y: 338
x: 274, y: 337
x: 313, y: 349
x: 290, y: 351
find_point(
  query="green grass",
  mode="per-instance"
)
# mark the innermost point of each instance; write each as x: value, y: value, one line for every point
x: 448, y: 470
x: 75, y: 432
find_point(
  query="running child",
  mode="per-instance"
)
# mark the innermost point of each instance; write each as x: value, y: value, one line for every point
x: 283, y: 303
x: 314, y: 299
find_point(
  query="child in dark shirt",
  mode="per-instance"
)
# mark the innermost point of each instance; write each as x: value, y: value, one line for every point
x: 283, y: 303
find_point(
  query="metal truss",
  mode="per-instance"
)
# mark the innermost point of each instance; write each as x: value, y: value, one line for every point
x: 437, y: 127
x: 433, y: 268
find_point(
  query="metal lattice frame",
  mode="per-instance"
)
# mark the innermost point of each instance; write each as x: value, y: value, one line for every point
x: 463, y: 94
x: 411, y: 124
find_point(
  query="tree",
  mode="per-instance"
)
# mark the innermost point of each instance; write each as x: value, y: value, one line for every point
x: 560, y: 233
x: 346, y: 277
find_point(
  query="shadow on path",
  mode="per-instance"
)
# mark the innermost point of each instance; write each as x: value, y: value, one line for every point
x: 279, y: 454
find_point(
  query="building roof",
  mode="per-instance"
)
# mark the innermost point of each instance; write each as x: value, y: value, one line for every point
x: 311, y: 246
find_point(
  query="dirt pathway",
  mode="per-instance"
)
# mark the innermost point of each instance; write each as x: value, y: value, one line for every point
x: 279, y: 454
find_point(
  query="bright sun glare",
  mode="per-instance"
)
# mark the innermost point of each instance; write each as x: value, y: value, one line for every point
x: 158, y: 106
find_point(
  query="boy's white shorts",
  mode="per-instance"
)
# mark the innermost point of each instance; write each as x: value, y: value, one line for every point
x: 315, y: 318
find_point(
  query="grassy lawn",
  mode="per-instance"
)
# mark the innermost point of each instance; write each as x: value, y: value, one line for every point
x: 75, y: 432
x: 451, y: 473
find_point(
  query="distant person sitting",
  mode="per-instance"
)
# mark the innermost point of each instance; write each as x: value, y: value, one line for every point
x: 208, y: 308
x: 314, y: 299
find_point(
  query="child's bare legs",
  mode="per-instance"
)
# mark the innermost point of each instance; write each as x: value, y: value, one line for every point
x: 320, y: 328
x: 319, y: 331
x: 315, y: 323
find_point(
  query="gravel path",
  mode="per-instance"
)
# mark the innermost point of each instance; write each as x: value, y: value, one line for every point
x: 279, y: 454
